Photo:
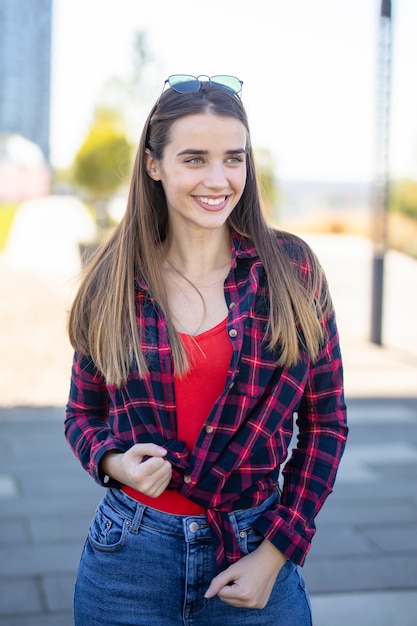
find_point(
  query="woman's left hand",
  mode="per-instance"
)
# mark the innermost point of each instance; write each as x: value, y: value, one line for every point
x: 248, y: 582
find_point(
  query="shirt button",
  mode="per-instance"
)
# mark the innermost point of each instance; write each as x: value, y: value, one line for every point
x: 231, y: 385
x: 209, y: 429
x: 233, y: 333
x: 193, y: 527
x: 232, y: 305
x: 187, y: 479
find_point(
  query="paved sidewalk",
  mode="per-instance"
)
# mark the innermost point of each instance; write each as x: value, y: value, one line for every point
x: 362, y: 568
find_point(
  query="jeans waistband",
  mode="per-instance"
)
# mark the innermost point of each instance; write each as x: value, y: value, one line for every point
x: 139, y: 513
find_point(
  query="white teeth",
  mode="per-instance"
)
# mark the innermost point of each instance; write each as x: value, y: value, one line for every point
x: 212, y: 201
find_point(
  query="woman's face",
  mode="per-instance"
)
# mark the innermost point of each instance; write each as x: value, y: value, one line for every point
x: 202, y: 171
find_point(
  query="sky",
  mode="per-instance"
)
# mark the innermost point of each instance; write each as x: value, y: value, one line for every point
x: 308, y: 67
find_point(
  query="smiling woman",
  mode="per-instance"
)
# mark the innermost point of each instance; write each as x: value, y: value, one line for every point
x: 199, y: 331
x: 203, y: 174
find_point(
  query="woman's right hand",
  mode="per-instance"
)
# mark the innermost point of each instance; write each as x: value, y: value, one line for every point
x: 150, y: 476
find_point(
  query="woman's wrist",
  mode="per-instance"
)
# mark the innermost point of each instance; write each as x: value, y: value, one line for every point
x: 110, y: 464
x: 273, y: 554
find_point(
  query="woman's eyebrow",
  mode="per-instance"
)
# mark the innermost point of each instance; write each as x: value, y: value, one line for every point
x: 191, y: 151
x: 204, y: 152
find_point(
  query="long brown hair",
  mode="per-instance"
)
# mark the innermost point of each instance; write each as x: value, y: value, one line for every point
x: 102, y: 321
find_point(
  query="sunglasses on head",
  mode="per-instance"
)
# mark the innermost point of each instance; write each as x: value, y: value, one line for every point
x: 184, y: 83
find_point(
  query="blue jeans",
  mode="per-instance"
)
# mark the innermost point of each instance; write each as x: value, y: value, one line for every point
x: 143, y: 567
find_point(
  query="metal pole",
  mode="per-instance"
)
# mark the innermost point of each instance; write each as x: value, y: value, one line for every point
x: 381, y: 183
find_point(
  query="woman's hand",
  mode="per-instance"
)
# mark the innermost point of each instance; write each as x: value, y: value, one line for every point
x: 248, y: 582
x: 150, y: 476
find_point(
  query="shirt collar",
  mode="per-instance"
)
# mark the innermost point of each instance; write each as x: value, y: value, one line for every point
x: 242, y: 248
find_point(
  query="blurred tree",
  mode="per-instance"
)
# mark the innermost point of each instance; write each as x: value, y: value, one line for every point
x: 402, y: 231
x: 267, y: 183
x: 103, y: 162
x: 404, y: 197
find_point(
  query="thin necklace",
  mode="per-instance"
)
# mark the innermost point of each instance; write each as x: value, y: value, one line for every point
x: 195, y: 342
x: 216, y: 282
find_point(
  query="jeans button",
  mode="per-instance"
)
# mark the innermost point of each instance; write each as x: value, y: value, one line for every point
x: 193, y: 527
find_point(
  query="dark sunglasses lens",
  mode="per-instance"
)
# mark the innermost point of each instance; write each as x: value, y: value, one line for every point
x: 183, y: 83
x: 227, y: 82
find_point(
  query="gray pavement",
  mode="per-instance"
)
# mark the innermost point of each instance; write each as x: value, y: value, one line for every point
x: 362, y: 568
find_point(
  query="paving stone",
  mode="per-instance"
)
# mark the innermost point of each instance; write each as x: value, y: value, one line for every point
x: 396, y: 538
x: 398, y: 472
x: 54, y: 506
x: 368, y: 512
x: 340, y: 541
x: 68, y: 529
x: 70, y: 482
x: 24, y: 466
x: 361, y: 573
x: 9, y: 487
x: 37, y: 560
x: 13, y: 532
x: 19, y: 595
x: 59, y: 590
x: 31, y: 414
x: 58, y: 450
x: 356, y: 493
x: 39, y: 619
x: 380, y: 413
x: 376, y: 609
x: 388, y: 434
x: 384, y: 453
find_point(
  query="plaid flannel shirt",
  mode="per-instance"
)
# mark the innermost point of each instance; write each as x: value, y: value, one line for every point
x: 235, y: 463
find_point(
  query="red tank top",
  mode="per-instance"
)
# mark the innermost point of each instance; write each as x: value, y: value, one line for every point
x: 210, y: 354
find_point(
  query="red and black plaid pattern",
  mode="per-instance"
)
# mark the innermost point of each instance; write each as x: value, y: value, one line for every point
x: 235, y: 464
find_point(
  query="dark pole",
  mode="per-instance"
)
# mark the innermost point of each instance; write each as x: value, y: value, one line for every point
x: 381, y: 182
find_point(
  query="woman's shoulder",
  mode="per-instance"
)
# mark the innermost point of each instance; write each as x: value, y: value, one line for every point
x: 295, y: 247
x: 283, y: 243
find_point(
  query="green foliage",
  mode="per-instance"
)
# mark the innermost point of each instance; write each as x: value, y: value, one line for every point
x: 404, y: 197
x: 7, y: 213
x: 266, y: 181
x: 102, y: 164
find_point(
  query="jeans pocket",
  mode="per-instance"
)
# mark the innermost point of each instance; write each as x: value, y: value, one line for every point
x: 108, y: 529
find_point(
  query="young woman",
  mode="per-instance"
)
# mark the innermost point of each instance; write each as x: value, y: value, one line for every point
x: 199, y: 333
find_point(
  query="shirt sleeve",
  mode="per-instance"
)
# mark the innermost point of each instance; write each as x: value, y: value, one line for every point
x: 87, y: 427
x: 310, y: 473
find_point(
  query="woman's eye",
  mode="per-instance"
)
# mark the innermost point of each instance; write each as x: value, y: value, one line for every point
x: 235, y: 158
x: 194, y: 160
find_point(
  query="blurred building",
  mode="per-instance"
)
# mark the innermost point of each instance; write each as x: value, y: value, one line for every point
x: 25, y: 69
x: 24, y: 172
x: 324, y: 206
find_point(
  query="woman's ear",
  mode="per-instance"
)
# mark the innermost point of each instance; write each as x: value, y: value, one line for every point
x: 152, y: 165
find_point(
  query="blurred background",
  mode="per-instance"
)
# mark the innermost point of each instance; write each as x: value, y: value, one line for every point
x: 331, y: 97
x: 332, y: 104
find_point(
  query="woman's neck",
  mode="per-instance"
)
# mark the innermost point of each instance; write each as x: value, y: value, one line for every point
x: 197, y: 256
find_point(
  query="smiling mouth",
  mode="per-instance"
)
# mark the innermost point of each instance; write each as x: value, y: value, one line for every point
x: 211, y: 201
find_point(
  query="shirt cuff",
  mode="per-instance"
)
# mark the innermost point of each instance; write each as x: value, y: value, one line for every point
x: 95, y: 471
x: 293, y: 542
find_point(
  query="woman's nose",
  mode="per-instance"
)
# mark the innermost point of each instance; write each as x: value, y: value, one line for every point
x: 216, y: 177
